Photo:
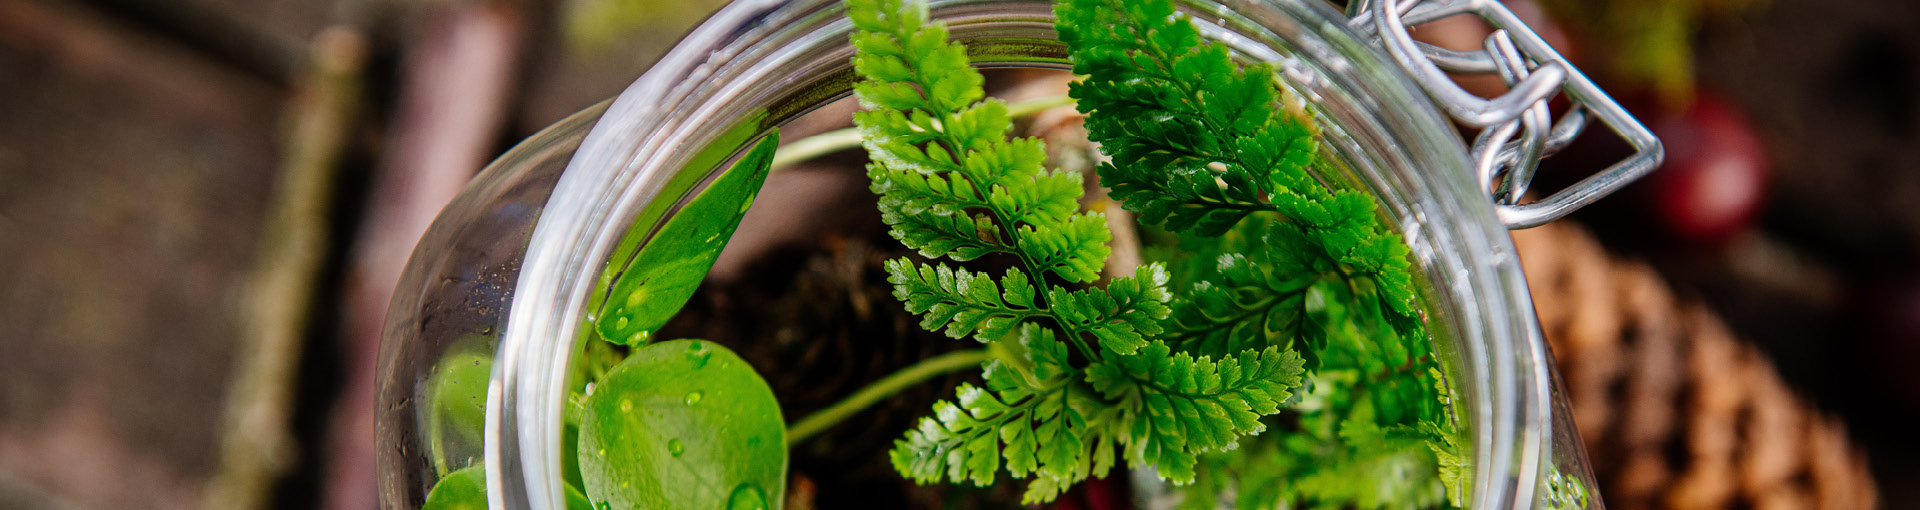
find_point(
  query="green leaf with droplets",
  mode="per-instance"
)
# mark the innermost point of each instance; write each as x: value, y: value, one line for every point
x: 466, y: 489
x: 682, y: 424
x: 722, y: 148
x: 667, y: 269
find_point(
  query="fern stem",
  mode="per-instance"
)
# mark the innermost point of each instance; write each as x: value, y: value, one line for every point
x: 843, y: 139
x: 1039, y: 276
x: 917, y: 373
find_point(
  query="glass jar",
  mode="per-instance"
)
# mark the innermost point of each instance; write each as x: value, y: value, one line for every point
x: 499, y: 286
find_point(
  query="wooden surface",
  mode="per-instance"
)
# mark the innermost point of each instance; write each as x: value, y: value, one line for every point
x: 133, y: 174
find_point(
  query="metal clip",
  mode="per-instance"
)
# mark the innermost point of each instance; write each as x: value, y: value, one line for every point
x: 1534, y: 74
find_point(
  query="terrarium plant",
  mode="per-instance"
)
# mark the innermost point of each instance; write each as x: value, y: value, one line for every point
x: 1278, y: 276
x: 1272, y: 352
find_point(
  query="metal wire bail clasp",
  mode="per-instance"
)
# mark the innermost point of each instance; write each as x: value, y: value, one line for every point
x: 1534, y: 74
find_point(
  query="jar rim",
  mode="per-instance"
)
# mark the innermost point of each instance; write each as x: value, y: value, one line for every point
x: 636, y: 146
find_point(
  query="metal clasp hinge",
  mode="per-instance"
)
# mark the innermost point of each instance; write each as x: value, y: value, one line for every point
x: 1534, y: 74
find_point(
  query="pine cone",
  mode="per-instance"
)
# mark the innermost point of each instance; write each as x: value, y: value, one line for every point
x: 1676, y: 412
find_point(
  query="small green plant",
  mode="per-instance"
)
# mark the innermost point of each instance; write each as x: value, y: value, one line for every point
x: 1277, y: 265
x: 1271, y: 355
x: 1089, y: 375
x: 676, y: 424
x: 684, y: 423
x: 1200, y: 145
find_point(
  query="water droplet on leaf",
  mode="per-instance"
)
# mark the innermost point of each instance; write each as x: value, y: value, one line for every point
x: 626, y: 404
x: 694, y: 398
x: 620, y: 323
x: 698, y: 353
x: 675, y: 447
x: 747, y: 497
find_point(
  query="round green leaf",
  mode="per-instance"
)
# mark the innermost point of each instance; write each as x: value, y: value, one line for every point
x: 683, y: 424
x: 466, y: 489
x: 455, y: 405
x: 459, y: 392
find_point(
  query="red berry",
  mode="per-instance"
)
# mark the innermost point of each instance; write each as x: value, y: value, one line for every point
x: 1715, y: 176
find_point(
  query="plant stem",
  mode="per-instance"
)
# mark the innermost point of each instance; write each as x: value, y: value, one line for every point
x: 920, y: 372
x: 1018, y: 109
x: 815, y: 146
x: 842, y: 139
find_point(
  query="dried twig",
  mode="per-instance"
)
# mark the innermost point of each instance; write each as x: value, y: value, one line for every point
x: 256, y: 445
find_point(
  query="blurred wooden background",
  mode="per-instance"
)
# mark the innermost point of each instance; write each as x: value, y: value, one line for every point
x: 203, y: 195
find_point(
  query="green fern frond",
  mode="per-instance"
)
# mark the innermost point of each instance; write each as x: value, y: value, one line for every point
x: 959, y: 442
x: 964, y: 302
x: 1193, y: 136
x: 935, y: 232
x: 1455, y: 468
x: 1122, y: 316
x: 1246, y: 306
x: 1175, y: 406
x: 1023, y: 415
x: 1074, y: 250
x: 1053, y: 442
x: 952, y: 185
x: 1047, y: 198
